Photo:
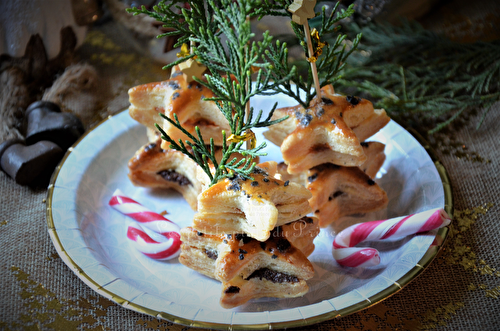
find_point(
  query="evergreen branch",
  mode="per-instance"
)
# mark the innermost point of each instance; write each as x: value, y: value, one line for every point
x: 329, y: 64
x: 410, y: 70
x: 231, y: 64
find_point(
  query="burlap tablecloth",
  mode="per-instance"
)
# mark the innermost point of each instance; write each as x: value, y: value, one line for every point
x: 460, y: 290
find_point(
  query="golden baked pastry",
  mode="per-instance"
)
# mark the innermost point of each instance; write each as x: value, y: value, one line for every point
x: 248, y: 268
x: 371, y: 125
x: 341, y: 191
x: 176, y: 96
x: 375, y: 157
x: 154, y: 167
x: 301, y: 233
x: 254, y: 207
x: 321, y: 133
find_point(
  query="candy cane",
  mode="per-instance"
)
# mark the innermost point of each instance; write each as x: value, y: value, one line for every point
x: 346, y: 254
x: 154, y: 236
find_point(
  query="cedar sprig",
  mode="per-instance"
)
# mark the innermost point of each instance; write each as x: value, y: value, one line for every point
x: 329, y: 64
x: 410, y: 70
x: 231, y: 66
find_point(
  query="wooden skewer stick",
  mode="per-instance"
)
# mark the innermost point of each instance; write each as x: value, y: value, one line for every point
x: 248, y: 143
x: 303, y: 10
x: 313, y: 63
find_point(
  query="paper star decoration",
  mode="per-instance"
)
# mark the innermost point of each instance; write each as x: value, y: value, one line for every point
x: 302, y: 10
x: 191, y: 68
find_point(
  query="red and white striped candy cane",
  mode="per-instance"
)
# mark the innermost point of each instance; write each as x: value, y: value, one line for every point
x: 346, y: 254
x: 155, y: 236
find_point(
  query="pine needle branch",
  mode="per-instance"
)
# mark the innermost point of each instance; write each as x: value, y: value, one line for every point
x: 409, y: 70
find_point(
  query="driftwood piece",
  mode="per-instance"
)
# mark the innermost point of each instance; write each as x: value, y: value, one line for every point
x: 22, y: 79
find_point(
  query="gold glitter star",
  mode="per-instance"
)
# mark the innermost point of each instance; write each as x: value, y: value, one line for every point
x: 105, y: 303
x: 100, y: 312
x: 89, y: 319
x: 487, y: 270
x: 3, y: 223
x: 63, y: 324
x: 392, y: 320
x: 34, y: 327
x: 380, y: 310
x: 42, y: 317
x: 34, y: 304
x: 302, y: 10
x: 72, y: 312
x: 54, y: 304
x: 40, y: 290
x: 26, y: 294
x: 493, y: 293
x: 84, y: 303
x: 431, y: 316
x: 461, y: 250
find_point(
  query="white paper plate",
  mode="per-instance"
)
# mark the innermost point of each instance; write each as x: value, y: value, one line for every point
x: 90, y: 236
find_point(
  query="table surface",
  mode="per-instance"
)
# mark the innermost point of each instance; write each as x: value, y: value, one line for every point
x: 460, y: 290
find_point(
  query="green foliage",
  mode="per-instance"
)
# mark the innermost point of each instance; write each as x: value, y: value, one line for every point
x: 409, y: 70
x: 231, y: 66
x: 237, y: 62
x: 329, y: 64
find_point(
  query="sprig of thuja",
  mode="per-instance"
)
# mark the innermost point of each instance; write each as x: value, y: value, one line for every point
x: 231, y: 65
x: 409, y: 70
x: 234, y: 64
x: 329, y: 64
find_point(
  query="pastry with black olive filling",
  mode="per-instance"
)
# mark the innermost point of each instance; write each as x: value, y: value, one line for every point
x: 154, y: 167
x: 250, y: 269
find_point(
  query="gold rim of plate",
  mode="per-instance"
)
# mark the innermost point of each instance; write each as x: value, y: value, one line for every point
x: 382, y: 295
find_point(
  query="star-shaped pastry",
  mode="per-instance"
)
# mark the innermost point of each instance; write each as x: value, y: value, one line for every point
x: 302, y: 10
x: 371, y: 125
x: 248, y: 268
x: 191, y: 68
x: 254, y: 207
x: 341, y: 191
x: 375, y: 157
x: 154, y: 167
x: 322, y: 133
x: 177, y: 96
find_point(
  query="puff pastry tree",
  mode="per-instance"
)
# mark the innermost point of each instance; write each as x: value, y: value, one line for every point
x: 238, y: 68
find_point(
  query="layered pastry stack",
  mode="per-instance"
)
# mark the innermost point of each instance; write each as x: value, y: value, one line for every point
x: 155, y: 165
x: 324, y: 149
x: 253, y: 236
